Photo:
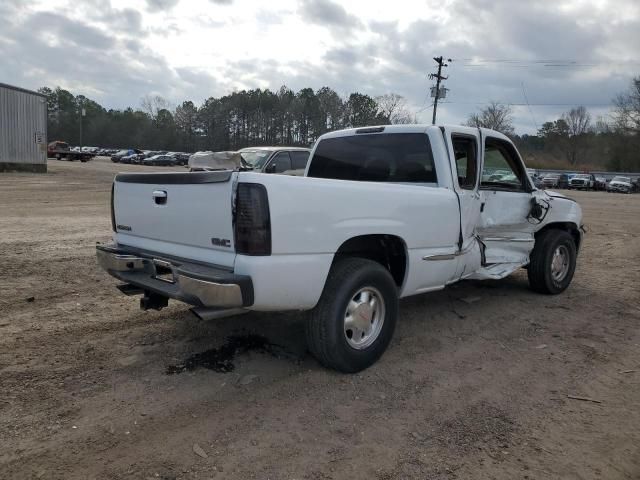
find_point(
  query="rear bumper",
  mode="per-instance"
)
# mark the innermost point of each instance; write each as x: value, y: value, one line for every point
x: 195, y: 284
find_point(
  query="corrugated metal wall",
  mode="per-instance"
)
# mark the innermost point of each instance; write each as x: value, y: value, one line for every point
x: 23, y: 130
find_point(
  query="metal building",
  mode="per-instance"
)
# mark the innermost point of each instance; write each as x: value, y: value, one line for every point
x: 23, y: 130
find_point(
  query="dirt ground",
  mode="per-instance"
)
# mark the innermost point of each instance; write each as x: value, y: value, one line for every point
x: 475, y: 385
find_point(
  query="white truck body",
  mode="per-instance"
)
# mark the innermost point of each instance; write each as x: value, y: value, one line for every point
x: 445, y: 231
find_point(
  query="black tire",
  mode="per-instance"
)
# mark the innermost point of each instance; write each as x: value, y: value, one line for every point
x: 325, y: 329
x: 540, y: 275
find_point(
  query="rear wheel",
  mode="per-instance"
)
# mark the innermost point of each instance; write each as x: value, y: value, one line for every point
x: 354, y: 320
x: 553, y: 262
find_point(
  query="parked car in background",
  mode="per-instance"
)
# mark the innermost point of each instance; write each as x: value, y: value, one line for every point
x: 495, y: 175
x: 182, y: 158
x: 210, y: 161
x: 563, y: 180
x: 636, y: 185
x: 56, y: 147
x: 178, y: 157
x: 62, y: 151
x: 164, y: 160
x: 600, y: 184
x: 275, y: 159
x: 115, y: 158
x: 583, y: 181
x: 118, y: 156
x: 137, y: 158
x: 281, y: 160
x: 131, y: 158
x: 620, y: 184
x: 551, y: 180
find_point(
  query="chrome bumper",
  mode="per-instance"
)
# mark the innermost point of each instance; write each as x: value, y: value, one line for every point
x: 198, y: 285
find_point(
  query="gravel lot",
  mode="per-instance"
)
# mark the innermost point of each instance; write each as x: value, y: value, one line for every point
x: 476, y: 383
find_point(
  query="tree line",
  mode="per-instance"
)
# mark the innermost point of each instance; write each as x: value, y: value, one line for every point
x: 284, y: 117
x: 575, y: 140
x: 241, y: 119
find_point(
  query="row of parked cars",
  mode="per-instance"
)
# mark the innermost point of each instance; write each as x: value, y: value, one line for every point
x: 584, y: 181
x: 150, y: 157
x: 277, y: 159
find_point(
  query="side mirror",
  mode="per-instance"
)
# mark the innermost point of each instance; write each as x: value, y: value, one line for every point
x: 271, y: 168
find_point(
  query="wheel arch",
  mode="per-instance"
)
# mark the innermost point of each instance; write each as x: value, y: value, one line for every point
x: 390, y: 251
x: 568, y: 227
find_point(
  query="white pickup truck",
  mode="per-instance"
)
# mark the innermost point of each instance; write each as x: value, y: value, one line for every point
x: 381, y: 213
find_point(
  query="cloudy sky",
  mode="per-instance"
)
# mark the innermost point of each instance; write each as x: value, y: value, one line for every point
x: 552, y: 54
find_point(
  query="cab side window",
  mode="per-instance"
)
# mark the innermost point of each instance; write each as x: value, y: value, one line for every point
x: 465, y: 149
x: 502, y: 168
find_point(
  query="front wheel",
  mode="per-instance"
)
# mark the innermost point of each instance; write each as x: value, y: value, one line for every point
x: 354, y: 320
x: 553, y: 262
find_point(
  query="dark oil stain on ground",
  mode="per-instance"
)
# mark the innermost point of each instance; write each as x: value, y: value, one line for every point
x: 221, y: 359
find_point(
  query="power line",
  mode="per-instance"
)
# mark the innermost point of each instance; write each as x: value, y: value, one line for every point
x: 524, y: 94
x: 544, y: 63
x: 573, y: 104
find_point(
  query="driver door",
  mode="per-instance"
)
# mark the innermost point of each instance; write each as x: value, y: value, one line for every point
x: 504, y: 227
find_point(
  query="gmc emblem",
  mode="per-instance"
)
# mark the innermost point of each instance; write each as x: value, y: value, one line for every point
x: 221, y: 242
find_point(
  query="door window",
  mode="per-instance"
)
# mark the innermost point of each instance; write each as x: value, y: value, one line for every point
x: 465, y: 150
x: 280, y: 163
x: 502, y: 169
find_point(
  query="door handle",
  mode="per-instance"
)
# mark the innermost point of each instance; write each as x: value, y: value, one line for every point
x: 160, y: 197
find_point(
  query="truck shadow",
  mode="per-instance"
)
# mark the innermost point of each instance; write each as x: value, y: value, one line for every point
x: 218, y: 345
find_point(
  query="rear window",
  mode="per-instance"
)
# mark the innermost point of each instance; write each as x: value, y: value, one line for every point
x: 392, y: 157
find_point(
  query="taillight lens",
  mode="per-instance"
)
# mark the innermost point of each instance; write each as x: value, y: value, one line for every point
x: 113, y: 213
x: 252, y: 220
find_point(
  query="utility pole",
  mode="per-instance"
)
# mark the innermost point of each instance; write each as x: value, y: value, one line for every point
x: 82, y: 114
x: 438, y: 76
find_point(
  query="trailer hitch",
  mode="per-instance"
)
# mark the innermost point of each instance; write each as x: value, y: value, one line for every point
x: 153, y: 301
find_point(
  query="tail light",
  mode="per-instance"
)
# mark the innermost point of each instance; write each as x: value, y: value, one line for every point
x: 113, y: 213
x: 252, y: 220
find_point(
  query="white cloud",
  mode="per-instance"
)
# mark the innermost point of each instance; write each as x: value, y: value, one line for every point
x: 120, y: 50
